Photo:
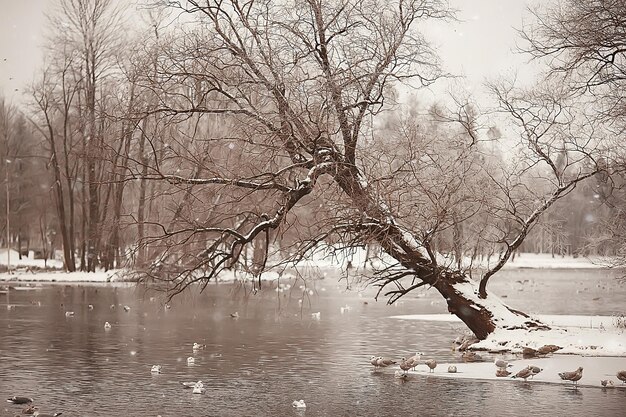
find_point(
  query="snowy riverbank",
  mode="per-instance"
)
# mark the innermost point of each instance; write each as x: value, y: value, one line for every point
x: 578, y: 335
x: 26, y: 269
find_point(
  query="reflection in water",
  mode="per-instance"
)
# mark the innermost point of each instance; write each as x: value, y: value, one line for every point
x: 273, y: 353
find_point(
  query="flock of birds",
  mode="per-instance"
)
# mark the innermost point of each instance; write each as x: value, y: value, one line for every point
x: 196, y: 387
x: 380, y: 362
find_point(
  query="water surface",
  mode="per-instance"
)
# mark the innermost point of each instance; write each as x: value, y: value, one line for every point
x: 274, y: 353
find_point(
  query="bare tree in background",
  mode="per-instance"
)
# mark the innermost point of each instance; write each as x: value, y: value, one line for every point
x: 91, y: 28
x: 583, y: 44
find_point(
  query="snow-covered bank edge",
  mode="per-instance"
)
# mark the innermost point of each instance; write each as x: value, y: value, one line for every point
x: 337, y: 260
x: 121, y: 275
x: 65, y: 277
x: 577, y: 335
x: 595, y: 369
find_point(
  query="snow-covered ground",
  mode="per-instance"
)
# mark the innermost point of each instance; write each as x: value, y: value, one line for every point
x: 59, y: 276
x: 328, y: 257
x: 580, y: 335
x: 22, y: 269
x: 25, y: 262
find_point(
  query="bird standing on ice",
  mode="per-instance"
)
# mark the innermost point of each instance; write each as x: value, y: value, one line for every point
x: 524, y: 374
x: 107, y: 325
x: 384, y: 362
x: 432, y: 364
x: 535, y: 370
x: 502, y: 363
x: 573, y: 376
x: 472, y: 357
x: 405, y: 365
x: 415, y: 359
x: 156, y: 369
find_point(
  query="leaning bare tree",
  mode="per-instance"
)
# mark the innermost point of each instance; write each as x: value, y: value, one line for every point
x: 302, y: 82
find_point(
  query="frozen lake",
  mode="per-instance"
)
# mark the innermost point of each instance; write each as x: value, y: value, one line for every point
x: 275, y: 352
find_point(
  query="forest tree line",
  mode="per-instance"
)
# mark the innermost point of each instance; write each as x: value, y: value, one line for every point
x: 98, y: 163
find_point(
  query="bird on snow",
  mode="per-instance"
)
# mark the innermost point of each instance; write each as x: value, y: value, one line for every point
x: 502, y: 363
x: 298, y: 404
x: 415, y: 359
x: 126, y: 309
x: 384, y: 362
x: 69, y: 314
x: 529, y: 352
x: 90, y: 306
x: 621, y: 375
x: 20, y: 400
x: 607, y: 383
x: 198, y: 346
x: 525, y: 373
x: 405, y: 365
x: 535, y: 370
x: 156, y: 369
x: 573, y: 376
x: 472, y: 357
x: 452, y: 369
x: 107, y: 325
x: 190, y: 360
x: 432, y: 364
x: 502, y: 372
x: 546, y: 349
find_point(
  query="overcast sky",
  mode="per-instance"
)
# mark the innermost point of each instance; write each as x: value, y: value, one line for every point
x: 478, y: 47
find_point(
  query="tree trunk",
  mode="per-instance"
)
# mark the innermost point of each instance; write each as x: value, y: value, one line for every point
x: 482, y: 314
x: 141, y: 207
x: 60, y: 202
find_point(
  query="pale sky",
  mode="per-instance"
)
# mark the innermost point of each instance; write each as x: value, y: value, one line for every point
x: 479, y: 46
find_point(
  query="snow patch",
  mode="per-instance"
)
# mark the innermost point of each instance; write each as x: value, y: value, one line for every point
x: 582, y: 335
